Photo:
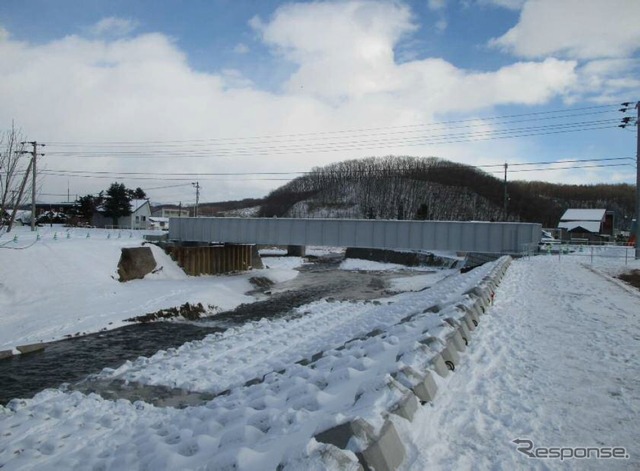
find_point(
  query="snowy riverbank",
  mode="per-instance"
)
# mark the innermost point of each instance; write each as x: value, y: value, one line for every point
x: 65, y: 284
x: 552, y: 361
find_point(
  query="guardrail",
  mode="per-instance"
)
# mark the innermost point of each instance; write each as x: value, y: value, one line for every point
x: 591, y: 252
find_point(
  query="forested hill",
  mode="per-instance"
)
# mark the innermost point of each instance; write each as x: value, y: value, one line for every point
x: 430, y: 188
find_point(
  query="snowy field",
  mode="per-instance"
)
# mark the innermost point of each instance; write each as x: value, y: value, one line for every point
x: 553, y: 361
x: 65, y: 283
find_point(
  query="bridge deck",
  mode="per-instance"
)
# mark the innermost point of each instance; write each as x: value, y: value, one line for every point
x: 494, y: 237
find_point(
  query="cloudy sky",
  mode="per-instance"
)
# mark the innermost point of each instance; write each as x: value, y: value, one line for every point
x: 239, y: 95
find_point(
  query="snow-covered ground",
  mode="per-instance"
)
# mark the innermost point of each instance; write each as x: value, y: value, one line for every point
x: 553, y: 361
x: 65, y: 283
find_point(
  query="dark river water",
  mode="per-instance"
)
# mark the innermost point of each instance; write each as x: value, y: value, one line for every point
x: 72, y: 360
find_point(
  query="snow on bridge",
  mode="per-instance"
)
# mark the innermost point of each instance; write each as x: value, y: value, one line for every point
x: 488, y: 237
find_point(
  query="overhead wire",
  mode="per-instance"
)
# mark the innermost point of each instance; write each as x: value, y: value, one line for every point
x: 412, y: 135
x: 559, y: 114
x: 293, y: 148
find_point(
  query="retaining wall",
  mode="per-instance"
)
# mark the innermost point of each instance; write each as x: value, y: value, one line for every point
x: 413, y: 383
x: 215, y: 259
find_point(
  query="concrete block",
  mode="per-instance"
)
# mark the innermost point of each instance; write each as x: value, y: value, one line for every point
x: 341, y: 434
x: 480, y: 306
x: 481, y: 294
x: 34, y: 347
x: 439, y: 365
x: 470, y: 319
x: 464, y: 331
x: 461, y: 328
x: 425, y: 388
x: 456, y: 341
x: 333, y: 457
x: 135, y: 263
x: 406, y: 407
x: 386, y: 453
x: 450, y: 356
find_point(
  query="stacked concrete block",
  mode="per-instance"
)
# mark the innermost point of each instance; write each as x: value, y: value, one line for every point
x: 420, y: 383
x: 438, y: 352
x: 382, y: 451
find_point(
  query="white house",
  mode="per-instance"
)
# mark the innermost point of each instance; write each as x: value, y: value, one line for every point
x: 589, y: 219
x: 139, y: 217
x: 171, y: 213
x: 587, y: 223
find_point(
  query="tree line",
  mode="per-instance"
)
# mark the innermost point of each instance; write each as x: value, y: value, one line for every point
x: 407, y: 187
x: 114, y: 203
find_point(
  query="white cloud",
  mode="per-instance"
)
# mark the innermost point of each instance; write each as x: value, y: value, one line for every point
x: 141, y: 88
x: 437, y: 4
x: 509, y: 4
x: 343, y: 49
x: 241, y: 48
x: 578, y: 29
x: 112, y: 27
x: 609, y: 80
x: 441, y: 25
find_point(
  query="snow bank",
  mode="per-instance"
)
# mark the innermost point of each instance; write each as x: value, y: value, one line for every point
x: 276, y: 384
x: 64, y: 282
x: 554, y: 362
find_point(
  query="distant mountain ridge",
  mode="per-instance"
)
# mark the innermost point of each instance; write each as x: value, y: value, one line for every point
x: 435, y: 189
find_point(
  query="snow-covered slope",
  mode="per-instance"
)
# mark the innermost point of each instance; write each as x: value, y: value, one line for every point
x: 66, y: 283
x: 552, y: 361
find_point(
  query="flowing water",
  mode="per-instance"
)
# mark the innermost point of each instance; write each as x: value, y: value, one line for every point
x: 72, y: 360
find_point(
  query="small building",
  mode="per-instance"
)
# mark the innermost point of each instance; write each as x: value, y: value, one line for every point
x: 594, y: 225
x: 170, y: 212
x: 138, y: 219
x: 140, y: 213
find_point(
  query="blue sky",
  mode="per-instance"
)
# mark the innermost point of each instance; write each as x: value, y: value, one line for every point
x: 157, y: 94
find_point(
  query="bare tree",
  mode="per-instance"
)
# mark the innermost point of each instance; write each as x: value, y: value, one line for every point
x: 13, y: 175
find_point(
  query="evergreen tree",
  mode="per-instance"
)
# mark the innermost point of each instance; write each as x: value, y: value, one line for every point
x: 87, y: 205
x: 137, y: 194
x: 117, y: 202
x: 423, y: 212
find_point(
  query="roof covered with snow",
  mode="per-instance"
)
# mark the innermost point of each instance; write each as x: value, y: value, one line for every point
x: 583, y: 215
x: 591, y: 226
x: 137, y: 204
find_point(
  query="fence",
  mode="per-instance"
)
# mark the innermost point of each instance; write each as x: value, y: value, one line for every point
x: 592, y: 252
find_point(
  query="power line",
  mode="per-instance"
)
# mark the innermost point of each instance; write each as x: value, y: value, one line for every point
x: 573, y: 167
x: 113, y: 174
x: 559, y: 115
x: 351, y: 145
x: 258, y: 176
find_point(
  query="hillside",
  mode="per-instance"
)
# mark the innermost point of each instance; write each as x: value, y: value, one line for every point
x: 435, y: 189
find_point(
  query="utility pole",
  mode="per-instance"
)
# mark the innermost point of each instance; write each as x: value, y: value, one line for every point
x: 34, y: 156
x: 627, y: 121
x: 638, y: 181
x: 197, y: 186
x: 506, y: 195
x: 17, y: 201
